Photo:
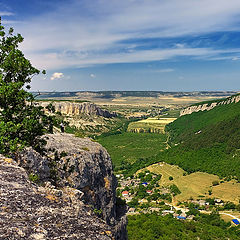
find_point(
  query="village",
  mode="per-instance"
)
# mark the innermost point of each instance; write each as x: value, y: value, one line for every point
x: 143, y: 194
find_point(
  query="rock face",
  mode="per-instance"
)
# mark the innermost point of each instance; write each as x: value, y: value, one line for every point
x: 83, y: 165
x: 73, y: 109
x: 207, y: 107
x: 32, y: 212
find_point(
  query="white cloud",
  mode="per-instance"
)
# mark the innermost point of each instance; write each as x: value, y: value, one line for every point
x: 180, y: 45
x: 95, y: 32
x: 166, y: 70
x: 6, y: 14
x: 235, y: 58
x: 92, y: 75
x: 57, y: 75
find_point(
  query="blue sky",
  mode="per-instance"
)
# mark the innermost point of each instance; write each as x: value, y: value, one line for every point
x: 167, y: 45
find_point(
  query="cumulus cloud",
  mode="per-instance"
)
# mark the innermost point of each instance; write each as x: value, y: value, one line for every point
x: 92, y: 75
x: 57, y: 75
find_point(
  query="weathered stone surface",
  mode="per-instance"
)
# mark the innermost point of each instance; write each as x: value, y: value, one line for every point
x: 31, y: 212
x: 87, y: 166
x: 207, y: 107
x: 72, y: 108
x: 84, y: 167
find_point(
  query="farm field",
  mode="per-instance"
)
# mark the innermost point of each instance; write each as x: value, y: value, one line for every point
x: 129, y: 147
x: 156, y: 125
x: 196, y: 185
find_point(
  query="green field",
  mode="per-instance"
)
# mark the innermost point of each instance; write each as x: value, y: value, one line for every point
x: 129, y: 147
x: 151, y: 125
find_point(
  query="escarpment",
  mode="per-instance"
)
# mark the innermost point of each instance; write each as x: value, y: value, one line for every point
x: 79, y: 190
x: 74, y: 108
x: 209, y: 106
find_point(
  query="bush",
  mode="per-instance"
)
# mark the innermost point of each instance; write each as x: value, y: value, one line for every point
x: 215, y: 183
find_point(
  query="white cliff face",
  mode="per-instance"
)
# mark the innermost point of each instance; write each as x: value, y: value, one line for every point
x: 73, y: 108
x: 207, y: 107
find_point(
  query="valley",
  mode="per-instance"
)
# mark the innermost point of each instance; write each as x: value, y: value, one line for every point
x: 184, y: 167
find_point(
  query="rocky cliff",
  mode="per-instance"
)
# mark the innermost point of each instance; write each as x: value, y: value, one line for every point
x: 209, y: 106
x: 78, y: 182
x: 74, y: 108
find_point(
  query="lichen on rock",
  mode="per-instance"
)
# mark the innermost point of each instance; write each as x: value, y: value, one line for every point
x: 79, y: 171
x: 28, y: 212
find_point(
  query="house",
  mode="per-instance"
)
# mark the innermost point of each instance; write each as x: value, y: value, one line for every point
x: 155, y: 209
x: 144, y: 184
x: 184, y: 215
x: 202, y: 202
x: 190, y: 217
x: 235, y: 221
x: 167, y: 211
x: 181, y: 218
x: 125, y: 193
x: 218, y: 202
x: 149, y: 191
x: 131, y: 210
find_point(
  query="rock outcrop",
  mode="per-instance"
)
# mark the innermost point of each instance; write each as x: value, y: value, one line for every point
x: 209, y: 106
x: 81, y: 170
x: 74, y: 108
x: 31, y: 212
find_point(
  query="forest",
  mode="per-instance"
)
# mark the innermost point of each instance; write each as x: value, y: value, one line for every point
x: 204, y: 227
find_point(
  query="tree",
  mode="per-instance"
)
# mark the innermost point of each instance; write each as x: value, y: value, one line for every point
x: 22, y: 123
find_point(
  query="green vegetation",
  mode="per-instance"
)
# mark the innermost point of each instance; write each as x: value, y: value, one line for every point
x: 154, y: 226
x: 21, y: 123
x: 206, y: 141
x: 129, y: 148
x: 34, y: 178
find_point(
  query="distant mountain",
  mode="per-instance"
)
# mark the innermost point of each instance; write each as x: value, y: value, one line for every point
x: 114, y: 94
x: 208, y: 140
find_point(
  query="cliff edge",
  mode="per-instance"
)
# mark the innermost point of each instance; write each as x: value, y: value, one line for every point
x: 209, y: 106
x: 74, y: 108
x: 76, y: 199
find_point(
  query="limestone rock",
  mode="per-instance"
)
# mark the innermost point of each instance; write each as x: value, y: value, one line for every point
x: 83, y: 170
x: 74, y: 108
x: 30, y: 212
x: 207, y: 107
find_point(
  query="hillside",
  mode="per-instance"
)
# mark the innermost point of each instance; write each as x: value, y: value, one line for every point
x: 208, y: 105
x: 207, y: 140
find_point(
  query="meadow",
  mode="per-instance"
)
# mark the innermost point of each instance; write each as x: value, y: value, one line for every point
x: 195, y: 185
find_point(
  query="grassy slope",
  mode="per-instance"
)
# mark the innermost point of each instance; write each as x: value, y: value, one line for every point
x: 215, y: 149
x: 190, y: 187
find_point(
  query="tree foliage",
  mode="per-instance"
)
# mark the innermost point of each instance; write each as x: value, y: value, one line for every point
x: 154, y: 226
x: 22, y: 123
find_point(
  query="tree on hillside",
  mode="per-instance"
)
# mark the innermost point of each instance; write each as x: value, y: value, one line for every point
x: 21, y: 122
